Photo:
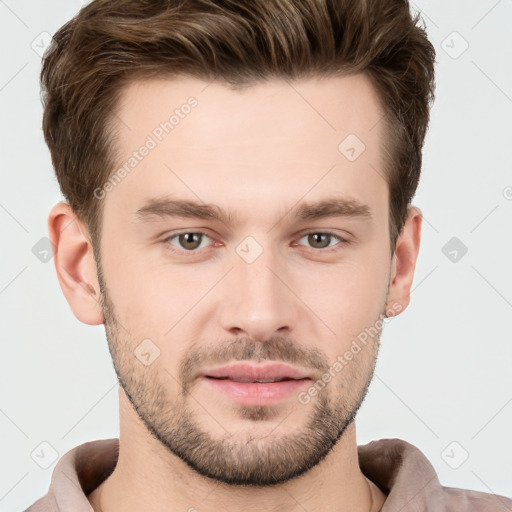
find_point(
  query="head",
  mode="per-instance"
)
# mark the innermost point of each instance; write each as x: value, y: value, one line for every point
x: 239, y: 178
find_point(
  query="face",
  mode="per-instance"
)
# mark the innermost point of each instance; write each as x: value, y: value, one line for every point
x: 249, y: 241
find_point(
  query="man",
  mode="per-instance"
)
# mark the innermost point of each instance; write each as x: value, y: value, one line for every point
x: 239, y: 178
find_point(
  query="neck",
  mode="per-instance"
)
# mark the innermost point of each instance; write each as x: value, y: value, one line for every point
x: 148, y: 477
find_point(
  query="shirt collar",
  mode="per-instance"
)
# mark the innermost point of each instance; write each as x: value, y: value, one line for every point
x: 397, y: 467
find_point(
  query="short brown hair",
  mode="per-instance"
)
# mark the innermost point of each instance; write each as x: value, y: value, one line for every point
x: 112, y: 42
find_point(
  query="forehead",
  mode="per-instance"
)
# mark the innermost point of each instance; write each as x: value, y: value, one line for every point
x: 270, y: 143
x: 322, y: 104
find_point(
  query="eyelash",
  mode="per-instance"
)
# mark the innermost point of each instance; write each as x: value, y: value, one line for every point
x: 170, y: 247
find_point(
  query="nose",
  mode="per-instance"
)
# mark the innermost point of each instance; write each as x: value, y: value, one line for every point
x: 258, y: 299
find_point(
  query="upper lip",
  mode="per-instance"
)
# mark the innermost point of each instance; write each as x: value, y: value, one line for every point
x: 246, y: 372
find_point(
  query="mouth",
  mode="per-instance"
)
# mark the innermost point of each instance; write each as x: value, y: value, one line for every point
x: 261, y: 373
x: 256, y: 385
x: 248, y: 380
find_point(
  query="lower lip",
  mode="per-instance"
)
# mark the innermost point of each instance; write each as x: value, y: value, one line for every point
x: 256, y: 393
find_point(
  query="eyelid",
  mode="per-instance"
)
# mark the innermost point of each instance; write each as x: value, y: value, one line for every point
x: 341, y: 240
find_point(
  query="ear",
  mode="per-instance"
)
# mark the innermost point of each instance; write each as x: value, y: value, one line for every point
x: 404, y: 262
x: 75, y: 264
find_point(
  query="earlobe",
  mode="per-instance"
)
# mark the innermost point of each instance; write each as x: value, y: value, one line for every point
x: 75, y: 264
x: 404, y: 261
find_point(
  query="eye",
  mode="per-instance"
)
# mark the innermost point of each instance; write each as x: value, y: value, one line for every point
x: 321, y: 240
x: 190, y: 241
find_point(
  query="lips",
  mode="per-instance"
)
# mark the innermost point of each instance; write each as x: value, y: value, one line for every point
x: 246, y: 372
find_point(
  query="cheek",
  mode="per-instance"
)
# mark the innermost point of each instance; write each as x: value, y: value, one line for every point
x: 349, y: 300
x: 153, y: 297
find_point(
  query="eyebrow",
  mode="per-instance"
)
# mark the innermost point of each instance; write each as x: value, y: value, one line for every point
x: 332, y: 207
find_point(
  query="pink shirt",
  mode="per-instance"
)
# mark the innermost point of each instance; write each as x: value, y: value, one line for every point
x: 398, y: 468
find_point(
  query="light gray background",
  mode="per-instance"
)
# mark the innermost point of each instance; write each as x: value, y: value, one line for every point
x: 444, y: 372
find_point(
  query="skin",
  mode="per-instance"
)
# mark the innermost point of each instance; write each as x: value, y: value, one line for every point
x: 257, y: 153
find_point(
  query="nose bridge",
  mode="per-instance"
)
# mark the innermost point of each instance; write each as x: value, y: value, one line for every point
x: 259, y: 302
